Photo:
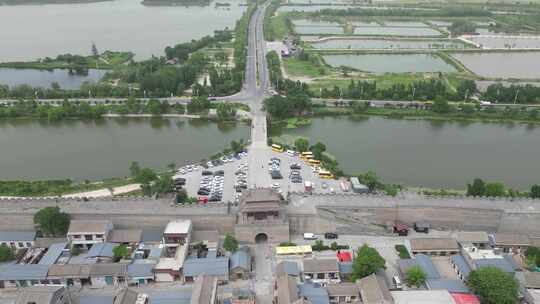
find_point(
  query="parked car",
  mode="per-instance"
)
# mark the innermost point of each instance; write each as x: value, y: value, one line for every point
x: 296, y: 166
x: 219, y: 172
x: 309, y: 236
x: 206, y: 172
x: 330, y: 235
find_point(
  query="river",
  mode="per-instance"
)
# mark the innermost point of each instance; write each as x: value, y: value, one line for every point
x: 430, y: 153
x: 97, y: 149
x: 36, y: 31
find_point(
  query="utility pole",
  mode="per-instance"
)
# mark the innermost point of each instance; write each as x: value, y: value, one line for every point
x: 515, y: 97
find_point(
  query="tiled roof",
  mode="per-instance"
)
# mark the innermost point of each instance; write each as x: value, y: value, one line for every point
x: 23, y: 236
x: 209, y: 266
x: 89, y: 226
x: 320, y: 265
x: 241, y: 259
x: 288, y: 268
x: 428, y: 244
x: 101, y: 250
x: 125, y: 236
x: 23, y: 272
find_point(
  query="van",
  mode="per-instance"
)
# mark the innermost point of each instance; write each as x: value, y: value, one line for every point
x: 290, y: 152
x: 397, y: 282
x: 309, y: 236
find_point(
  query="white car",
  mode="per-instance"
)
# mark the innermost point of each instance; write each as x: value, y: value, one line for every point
x: 290, y: 152
x: 210, y: 164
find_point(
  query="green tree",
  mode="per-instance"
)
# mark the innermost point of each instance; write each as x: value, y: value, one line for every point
x: 6, y: 253
x: 535, y: 191
x: 75, y: 251
x: 120, y: 252
x: 371, y: 180
x: 415, y: 276
x: 52, y: 221
x: 477, y: 188
x: 230, y: 243
x: 493, y: 286
x: 318, y: 150
x: 495, y: 190
x: 367, y: 261
x: 226, y: 111
x: 134, y: 169
x: 440, y: 105
x: 301, y: 144
x: 145, y: 176
x: 181, y: 196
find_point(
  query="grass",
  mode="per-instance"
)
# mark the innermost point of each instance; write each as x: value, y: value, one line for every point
x: 383, y: 81
x: 106, y: 60
x: 278, y: 27
x: 303, y: 68
x: 56, y: 187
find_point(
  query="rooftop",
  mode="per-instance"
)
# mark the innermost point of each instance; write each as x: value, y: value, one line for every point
x: 502, y: 264
x: 52, y: 254
x: 204, y: 289
x: 427, y: 266
x: 260, y: 195
x: 151, y: 235
x: 126, y: 296
x: 288, y: 268
x: 343, y: 289
x: 320, y: 265
x: 101, y: 250
x: 209, y: 266
x: 465, y: 298
x: 23, y: 272
x: 374, y: 290
x: 241, y: 259
x: 314, y: 293
x: 125, y: 236
x: 287, y: 291
x: 428, y: 244
x: 39, y: 295
x: 446, y: 284
x: 89, y: 226
x: 140, y: 270
x: 178, y: 227
x: 475, y: 253
x: 461, y: 264
x: 205, y: 236
x: 23, y: 236
x: 465, y: 237
x: 422, y: 297
x: 501, y: 239
x: 108, y: 269
x: 69, y: 271
x: 532, y: 279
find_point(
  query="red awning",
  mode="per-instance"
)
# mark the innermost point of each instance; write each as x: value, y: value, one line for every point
x: 344, y: 256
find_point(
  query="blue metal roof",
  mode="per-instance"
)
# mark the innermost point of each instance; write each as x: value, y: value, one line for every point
x: 315, y: 293
x: 427, y: 266
x: 502, y: 264
x: 241, y: 259
x: 88, y: 299
x: 209, y: 266
x: 140, y: 270
x: 461, y: 264
x: 169, y: 297
x: 52, y: 254
x: 151, y: 235
x: 288, y: 267
x: 23, y: 236
x: 23, y: 272
x: 101, y: 250
x: 446, y: 284
x: 345, y: 267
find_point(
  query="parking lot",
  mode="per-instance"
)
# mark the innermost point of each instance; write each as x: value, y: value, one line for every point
x: 285, y: 185
x: 221, y: 181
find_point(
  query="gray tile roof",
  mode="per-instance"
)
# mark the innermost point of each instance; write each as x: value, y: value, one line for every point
x: 140, y: 270
x: 434, y: 244
x: 506, y: 239
x: 23, y: 236
x: 152, y: 235
x: 287, y: 267
x: 502, y: 264
x: 373, y: 290
x: 464, y: 237
x: 320, y: 265
x: 125, y: 236
x: 209, y: 266
x: 53, y: 253
x: 89, y: 226
x: 108, y: 269
x: 461, y: 264
x: 241, y: 259
x: 427, y: 266
x: 446, y: 284
x: 69, y: 271
x: 23, y: 272
x: 287, y: 291
x: 101, y: 250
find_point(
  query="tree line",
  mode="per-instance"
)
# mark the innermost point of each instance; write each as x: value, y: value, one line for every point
x: 455, y: 11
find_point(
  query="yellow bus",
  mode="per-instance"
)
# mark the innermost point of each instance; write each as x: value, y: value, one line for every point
x: 306, y: 155
x: 326, y: 174
x: 314, y: 161
x: 277, y: 148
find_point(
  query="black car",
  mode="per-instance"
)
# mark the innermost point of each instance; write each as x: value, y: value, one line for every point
x: 276, y: 175
x: 295, y: 167
x: 296, y: 180
x: 203, y: 192
x: 219, y: 172
x: 206, y: 172
x: 180, y: 181
x: 330, y: 235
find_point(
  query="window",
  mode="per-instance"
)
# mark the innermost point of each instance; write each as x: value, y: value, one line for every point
x: 21, y: 244
x: 320, y: 276
x: 99, y: 236
x: 28, y: 244
x: 88, y: 237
